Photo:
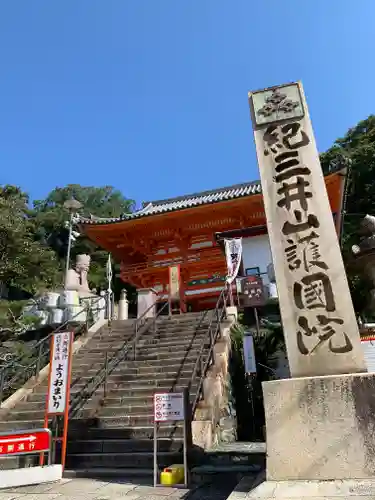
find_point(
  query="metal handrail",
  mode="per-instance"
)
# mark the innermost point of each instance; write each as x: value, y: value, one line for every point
x: 78, y: 401
x: 141, y: 321
x: 42, y: 348
x: 201, y: 365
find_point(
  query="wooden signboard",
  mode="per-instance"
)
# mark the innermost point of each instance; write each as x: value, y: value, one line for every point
x: 174, y: 282
x: 253, y: 292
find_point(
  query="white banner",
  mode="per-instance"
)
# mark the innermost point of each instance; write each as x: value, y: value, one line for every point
x: 233, y: 254
x: 109, y: 273
x: 249, y: 354
x: 59, y: 372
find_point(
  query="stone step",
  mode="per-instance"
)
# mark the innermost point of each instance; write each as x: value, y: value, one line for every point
x: 122, y: 418
x: 154, y: 342
x: 118, y: 335
x: 131, y: 475
x: 141, y: 370
x: 107, y: 339
x: 16, y: 425
x: 165, y: 355
x: 148, y: 391
x: 121, y: 374
x: 104, y: 430
x: 128, y: 329
x: 143, y: 399
x: 177, y: 318
x: 125, y: 409
x: 165, y: 333
x: 157, y: 363
x: 29, y: 414
x: 239, y: 448
x: 173, y: 358
x: 122, y: 382
x: 115, y: 393
x: 92, y: 358
x: 183, y: 318
x: 189, y: 329
x: 150, y: 348
x: 123, y: 445
x: 117, y: 460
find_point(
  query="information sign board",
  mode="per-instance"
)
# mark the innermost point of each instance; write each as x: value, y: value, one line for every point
x: 169, y: 407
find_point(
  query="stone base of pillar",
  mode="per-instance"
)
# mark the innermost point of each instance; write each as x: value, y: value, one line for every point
x: 320, y: 428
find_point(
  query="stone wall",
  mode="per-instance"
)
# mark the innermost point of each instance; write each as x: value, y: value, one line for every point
x: 215, y: 419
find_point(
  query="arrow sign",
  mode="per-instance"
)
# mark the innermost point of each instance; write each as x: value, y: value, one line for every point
x: 24, y: 442
x: 16, y: 440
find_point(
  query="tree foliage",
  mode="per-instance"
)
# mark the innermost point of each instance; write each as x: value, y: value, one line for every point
x: 357, y: 149
x: 50, y: 217
x: 24, y: 262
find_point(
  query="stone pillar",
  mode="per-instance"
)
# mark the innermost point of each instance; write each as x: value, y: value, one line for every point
x: 102, y: 306
x: 318, y: 424
x: 321, y: 331
x: 123, y: 307
x: 146, y: 297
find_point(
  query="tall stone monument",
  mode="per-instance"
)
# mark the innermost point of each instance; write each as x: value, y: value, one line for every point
x: 318, y: 317
x: 318, y: 422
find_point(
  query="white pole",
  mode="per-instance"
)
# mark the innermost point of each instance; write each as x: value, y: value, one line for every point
x: 69, y: 248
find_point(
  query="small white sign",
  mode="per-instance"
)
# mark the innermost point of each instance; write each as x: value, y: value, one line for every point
x: 169, y: 407
x: 249, y: 354
x: 59, y: 372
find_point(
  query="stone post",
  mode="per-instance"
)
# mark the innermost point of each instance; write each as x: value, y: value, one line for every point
x: 123, y: 306
x: 318, y: 423
x: 231, y: 312
x: 146, y: 297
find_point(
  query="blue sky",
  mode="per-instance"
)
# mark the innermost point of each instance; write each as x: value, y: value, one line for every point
x: 151, y: 95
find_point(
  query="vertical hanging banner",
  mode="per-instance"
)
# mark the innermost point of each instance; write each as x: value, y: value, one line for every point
x: 174, y: 282
x: 59, y: 373
x: 233, y: 255
x: 320, y: 326
x: 109, y: 275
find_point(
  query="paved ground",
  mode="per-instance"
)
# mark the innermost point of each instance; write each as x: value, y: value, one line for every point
x: 90, y: 489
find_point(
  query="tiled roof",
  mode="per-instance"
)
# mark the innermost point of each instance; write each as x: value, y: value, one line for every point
x: 181, y: 202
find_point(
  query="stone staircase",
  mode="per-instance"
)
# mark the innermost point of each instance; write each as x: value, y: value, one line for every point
x: 118, y: 437
x: 113, y: 431
x: 29, y: 413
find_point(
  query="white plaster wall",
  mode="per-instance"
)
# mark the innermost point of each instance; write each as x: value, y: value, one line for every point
x: 256, y: 252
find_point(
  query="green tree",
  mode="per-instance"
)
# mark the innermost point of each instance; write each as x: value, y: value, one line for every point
x: 356, y: 149
x: 25, y: 263
x: 51, y: 217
